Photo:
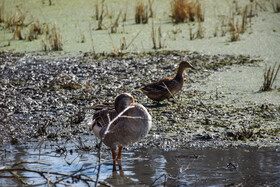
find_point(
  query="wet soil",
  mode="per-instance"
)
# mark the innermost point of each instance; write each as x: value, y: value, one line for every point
x: 44, y: 97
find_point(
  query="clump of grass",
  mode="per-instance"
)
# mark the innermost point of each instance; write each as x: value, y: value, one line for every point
x: 114, y: 27
x: 270, y: 75
x: 141, y: 15
x: 234, y: 30
x: 243, y: 133
x: 35, y: 29
x: 15, y: 19
x: 17, y: 33
x: 182, y: 10
x: 53, y: 39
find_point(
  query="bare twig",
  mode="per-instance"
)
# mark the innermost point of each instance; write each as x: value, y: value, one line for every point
x: 134, y: 38
x: 169, y: 91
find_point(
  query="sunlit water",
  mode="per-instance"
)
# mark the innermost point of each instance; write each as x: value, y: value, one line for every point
x: 193, y: 166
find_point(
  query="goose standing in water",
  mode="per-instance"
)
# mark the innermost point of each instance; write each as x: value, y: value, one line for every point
x: 130, y: 127
x: 166, y: 87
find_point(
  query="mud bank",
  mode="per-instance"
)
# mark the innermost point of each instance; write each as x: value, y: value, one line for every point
x: 43, y: 98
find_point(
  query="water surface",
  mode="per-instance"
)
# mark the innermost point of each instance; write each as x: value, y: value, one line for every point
x: 192, y: 166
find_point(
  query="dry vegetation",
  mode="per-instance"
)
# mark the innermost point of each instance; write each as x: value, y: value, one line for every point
x: 238, y: 21
x: 1, y: 13
x: 115, y: 25
x: 182, y: 11
x: 35, y: 30
x: 99, y: 16
x: 156, y: 35
x: 53, y: 39
x: 234, y: 30
x: 141, y: 13
x: 270, y: 75
x: 275, y: 6
x: 199, y: 34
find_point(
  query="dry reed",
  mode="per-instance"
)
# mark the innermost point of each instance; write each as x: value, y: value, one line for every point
x: 275, y: 6
x: 100, y: 16
x: 124, y: 15
x: 156, y: 35
x: 2, y: 12
x: 15, y: 19
x: 141, y: 15
x: 17, y: 33
x: 234, y: 30
x: 114, y: 27
x: 35, y: 29
x: 270, y: 75
x: 150, y: 3
x: 53, y: 39
x: 186, y: 10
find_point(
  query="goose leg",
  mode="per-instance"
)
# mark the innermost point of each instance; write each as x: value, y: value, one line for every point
x: 119, y: 161
x: 120, y: 168
x: 114, y: 155
x: 120, y: 152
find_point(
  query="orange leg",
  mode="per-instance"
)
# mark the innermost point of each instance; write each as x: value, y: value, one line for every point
x: 114, y: 155
x: 120, y: 168
x: 119, y: 161
x: 120, y: 152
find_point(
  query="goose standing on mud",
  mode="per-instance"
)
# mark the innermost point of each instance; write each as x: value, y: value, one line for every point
x: 130, y: 127
x: 166, y: 87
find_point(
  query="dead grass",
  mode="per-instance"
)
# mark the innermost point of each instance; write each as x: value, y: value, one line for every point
x: 35, y: 30
x: 2, y: 12
x: 244, y: 133
x: 53, y: 39
x: 275, y: 6
x: 156, y: 36
x: 15, y: 19
x: 186, y: 10
x: 115, y: 25
x: 199, y: 34
x: 125, y: 14
x: 239, y: 19
x: 141, y: 14
x: 99, y: 16
x: 234, y: 30
x: 17, y: 34
x: 270, y: 75
x: 150, y: 3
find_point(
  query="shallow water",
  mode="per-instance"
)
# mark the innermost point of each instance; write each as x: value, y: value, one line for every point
x: 193, y: 166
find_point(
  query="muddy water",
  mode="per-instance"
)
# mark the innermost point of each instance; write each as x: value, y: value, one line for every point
x: 192, y: 166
